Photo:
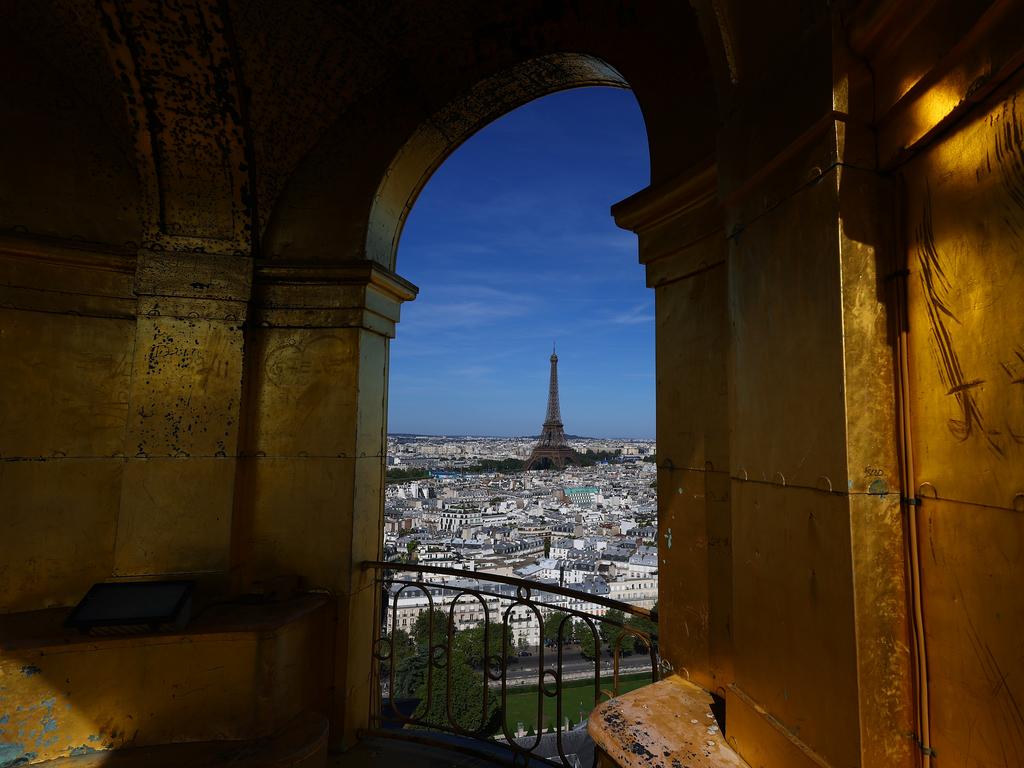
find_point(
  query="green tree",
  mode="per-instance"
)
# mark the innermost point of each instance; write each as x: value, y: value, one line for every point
x: 411, y: 670
x: 551, y: 624
x: 505, y: 466
x: 398, y: 474
x: 590, y: 646
x: 421, y: 627
x: 411, y: 674
x: 466, y: 686
x: 402, y: 647
x: 470, y: 642
x: 611, y: 627
x: 640, y: 624
x: 467, y: 697
x: 591, y: 457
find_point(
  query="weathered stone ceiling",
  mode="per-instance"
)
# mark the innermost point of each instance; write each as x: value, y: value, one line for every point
x: 180, y: 82
x: 413, y: 66
x: 67, y: 154
x: 66, y: 35
x: 265, y: 128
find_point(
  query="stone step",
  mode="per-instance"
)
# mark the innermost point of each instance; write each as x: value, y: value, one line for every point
x: 671, y: 722
x: 302, y: 744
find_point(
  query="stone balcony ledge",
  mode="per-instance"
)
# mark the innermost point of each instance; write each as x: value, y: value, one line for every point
x: 668, y: 723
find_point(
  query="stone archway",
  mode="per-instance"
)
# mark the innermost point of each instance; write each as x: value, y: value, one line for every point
x: 442, y: 133
x: 258, y: 241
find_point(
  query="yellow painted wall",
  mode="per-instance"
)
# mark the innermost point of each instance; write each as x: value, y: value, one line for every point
x: 240, y: 672
x: 693, y: 457
x: 177, y: 401
x: 65, y: 389
x: 965, y: 255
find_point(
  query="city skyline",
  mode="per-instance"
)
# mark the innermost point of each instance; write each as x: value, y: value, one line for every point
x: 513, y: 246
x: 523, y: 436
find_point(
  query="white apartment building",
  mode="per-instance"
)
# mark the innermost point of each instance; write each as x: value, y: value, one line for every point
x: 643, y: 593
x: 642, y: 565
x: 469, y: 610
x: 560, y: 548
x: 457, y: 519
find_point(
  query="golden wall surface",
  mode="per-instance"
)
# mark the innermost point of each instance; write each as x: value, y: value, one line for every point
x: 310, y: 504
x: 679, y: 229
x: 196, y: 304
x: 965, y: 240
x: 65, y: 693
x: 128, y: 456
x: 827, y: 218
x: 66, y: 341
x: 793, y: 596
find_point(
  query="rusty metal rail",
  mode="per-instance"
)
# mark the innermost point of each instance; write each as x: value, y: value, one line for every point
x: 445, y: 678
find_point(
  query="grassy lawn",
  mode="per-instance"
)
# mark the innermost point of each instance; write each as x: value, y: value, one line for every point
x: 576, y: 695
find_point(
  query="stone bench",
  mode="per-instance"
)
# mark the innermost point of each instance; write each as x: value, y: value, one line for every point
x: 668, y: 723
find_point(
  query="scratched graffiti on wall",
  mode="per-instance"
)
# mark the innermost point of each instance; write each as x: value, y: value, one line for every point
x: 80, y: 411
x: 966, y: 367
x: 1008, y: 151
x: 302, y: 364
x: 968, y: 280
x: 1009, y: 155
x: 309, y: 378
x: 936, y: 285
x: 188, y: 388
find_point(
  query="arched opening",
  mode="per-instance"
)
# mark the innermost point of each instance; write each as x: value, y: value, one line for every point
x: 440, y: 135
x: 200, y: 217
x: 513, y: 248
x: 511, y: 243
x: 337, y: 222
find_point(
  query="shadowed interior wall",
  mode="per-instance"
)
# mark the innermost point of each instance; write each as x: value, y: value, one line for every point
x: 62, y: 437
x: 682, y: 244
x: 66, y: 313
x: 185, y: 404
x: 964, y: 234
x: 195, y: 309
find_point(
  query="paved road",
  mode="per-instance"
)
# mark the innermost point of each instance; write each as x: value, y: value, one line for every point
x: 574, y: 666
x: 523, y: 671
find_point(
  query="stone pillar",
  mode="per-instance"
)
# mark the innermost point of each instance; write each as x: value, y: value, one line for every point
x: 184, y: 404
x: 67, y: 331
x: 822, y: 671
x: 314, y: 445
x: 683, y: 247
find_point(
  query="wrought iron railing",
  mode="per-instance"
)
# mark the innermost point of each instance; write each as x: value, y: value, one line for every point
x: 438, y: 683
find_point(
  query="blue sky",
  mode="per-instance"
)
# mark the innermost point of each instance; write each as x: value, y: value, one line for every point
x: 512, y: 246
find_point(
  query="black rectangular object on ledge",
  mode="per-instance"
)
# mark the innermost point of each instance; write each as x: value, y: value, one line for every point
x: 131, y: 607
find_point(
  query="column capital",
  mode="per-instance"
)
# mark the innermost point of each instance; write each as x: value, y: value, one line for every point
x: 190, y: 284
x: 687, y: 193
x: 672, y: 220
x: 61, y: 276
x: 348, y: 294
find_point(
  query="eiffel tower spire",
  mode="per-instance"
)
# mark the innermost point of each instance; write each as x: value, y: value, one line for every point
x: 552, y: 449
x: 554, y: 415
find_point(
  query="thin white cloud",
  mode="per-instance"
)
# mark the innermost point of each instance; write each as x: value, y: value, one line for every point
x: 641, y: 313
x: 472, y: 371
x: 440, y: 315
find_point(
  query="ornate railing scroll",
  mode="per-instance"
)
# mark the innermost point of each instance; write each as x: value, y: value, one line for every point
x: 446, y: 679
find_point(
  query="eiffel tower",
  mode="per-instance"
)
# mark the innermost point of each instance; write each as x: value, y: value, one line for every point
x: 552, y: 451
